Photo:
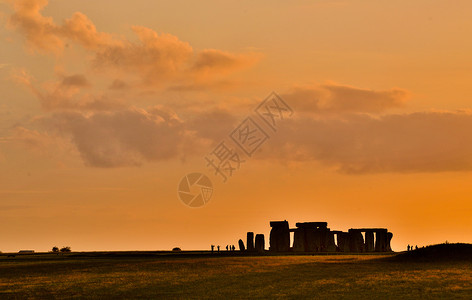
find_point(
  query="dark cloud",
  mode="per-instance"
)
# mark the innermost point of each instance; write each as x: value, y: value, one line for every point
x: 356, y: 144
x: 121, y: 138
x: 77, y: 80
x: 214, y: 125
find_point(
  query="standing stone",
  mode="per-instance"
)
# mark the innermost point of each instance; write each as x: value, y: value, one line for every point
x: 389, y: 239
x: 241, y: 245
x: 343, y: 241
x: 313, y: 237
x: 356, y: 240
x: 279, y: 239
x: 317, y: 240
x: 330, y: 245
x: 381, y: 240
x: 260, y: 243
x: 305, y: 233
x: 310, y: 239
x: 250, y: 241
x: 369, y: 241
x: 299, y: 240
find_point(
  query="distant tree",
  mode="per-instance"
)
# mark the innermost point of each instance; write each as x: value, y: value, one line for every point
x: 65, y: 249
x: 55, y: 249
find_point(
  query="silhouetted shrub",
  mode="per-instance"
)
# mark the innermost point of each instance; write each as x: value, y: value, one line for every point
x: 55, y: 249
x: 65, y: 249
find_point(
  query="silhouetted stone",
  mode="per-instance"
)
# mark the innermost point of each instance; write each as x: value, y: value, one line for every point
x: 389, y: 239
x: 336, y: 239
x: 381, y: 240
x: 356, y: 240
x: 314, y: 225
x: 250, y: 241
x: 330, y: 245
x: 310, y: 239
x: 369, y: 241
x: 279, y: 239
x: 241, y: 245
x: 343, y: 241
x: 318, y: 240
x: 317, y: 237
x: 299, y: 240
x: 313, y: 237
x: 260, y: 243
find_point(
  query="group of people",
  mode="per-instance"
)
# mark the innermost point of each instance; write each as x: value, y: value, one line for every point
x: 228, y: 248
x: 410, y: 248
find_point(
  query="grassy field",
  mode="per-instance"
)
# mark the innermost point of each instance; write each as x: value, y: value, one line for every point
x: 204, y: 276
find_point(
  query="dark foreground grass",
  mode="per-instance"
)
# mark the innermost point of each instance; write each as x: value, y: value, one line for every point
x: 319, y: 277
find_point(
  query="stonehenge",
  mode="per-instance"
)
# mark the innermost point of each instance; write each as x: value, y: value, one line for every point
x: 317, y: 237
x: 311, y: 237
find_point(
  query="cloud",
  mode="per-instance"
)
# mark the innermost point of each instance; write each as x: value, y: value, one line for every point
x: 35, y: 141
x: 354, y: 144
x: 216, y: 61
x: 118, y: 84
x: 77, y: 80
x: 155, y: 58
x: 128, y: 137
x: 336, y: 98
x: 81, y: 29
x: 122, y: 138
x: 40, y: 32
x: 213, y: 125
x: 43, y: 34
x: 68, y: 93
x: 357, y: 144
x: 31, y: 139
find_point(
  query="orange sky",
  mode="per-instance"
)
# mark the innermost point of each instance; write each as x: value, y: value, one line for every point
x: 106, y: 105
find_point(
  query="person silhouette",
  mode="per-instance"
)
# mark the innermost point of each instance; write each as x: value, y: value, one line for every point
x: 416, y: 247
x: 233, y: 248
x: 408, y: 248
x: 226, y: 247
x: 218, y: 247
x: 212, y: 248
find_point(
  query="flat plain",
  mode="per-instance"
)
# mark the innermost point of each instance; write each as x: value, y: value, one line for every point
x: 230, y: 275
